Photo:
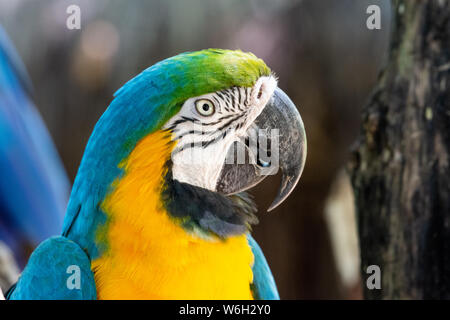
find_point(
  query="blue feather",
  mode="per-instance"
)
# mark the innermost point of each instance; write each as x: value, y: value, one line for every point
x: 33, y: 185
x: 47, y: 274
x: 264, y: 287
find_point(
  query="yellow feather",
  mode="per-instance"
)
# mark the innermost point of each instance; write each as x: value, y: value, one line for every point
x: 152, y: 257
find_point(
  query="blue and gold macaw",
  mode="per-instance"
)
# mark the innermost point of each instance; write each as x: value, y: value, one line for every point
x: 157, y: 210
x: 34, y: 187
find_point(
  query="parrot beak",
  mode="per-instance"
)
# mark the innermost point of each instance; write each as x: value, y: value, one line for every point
x: 284, y: 148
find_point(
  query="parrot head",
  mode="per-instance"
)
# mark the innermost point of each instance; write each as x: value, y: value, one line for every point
x: 224, y: 142
x: 229, y: 127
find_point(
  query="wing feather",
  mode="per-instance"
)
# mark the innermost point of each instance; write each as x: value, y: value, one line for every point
x: 263, y: 286
x: 47, y: 273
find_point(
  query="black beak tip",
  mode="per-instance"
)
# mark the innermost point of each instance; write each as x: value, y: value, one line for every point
x: 280, y: 113
x: 292, y: 144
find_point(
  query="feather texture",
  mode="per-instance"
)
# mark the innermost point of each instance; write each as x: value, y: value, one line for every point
x: 46, y: 274
x: 150, y: 254
x: 34, y: 187
x: 142, y: 106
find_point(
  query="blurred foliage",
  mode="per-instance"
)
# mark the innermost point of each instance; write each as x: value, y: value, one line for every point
x: 326, y: 60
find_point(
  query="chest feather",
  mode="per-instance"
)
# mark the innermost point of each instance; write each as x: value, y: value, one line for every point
x: 149, y: 255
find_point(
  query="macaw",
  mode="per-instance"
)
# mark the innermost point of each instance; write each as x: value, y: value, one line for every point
x: 157, y: 210
x: 34, y: 187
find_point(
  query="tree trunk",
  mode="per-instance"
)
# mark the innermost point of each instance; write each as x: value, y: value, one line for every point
x: 401, y: 166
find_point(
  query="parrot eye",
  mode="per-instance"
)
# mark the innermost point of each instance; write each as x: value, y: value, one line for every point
x: 204, y: 107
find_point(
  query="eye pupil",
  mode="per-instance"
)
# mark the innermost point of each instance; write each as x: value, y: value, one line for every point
x: 205, y: 107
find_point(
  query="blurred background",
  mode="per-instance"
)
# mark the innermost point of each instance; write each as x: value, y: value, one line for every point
x: 326, y: 59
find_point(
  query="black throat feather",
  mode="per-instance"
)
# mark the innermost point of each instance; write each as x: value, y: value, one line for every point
x: 211, y: 213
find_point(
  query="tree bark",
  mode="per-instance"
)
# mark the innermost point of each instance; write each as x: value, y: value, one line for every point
x: 401, y: 165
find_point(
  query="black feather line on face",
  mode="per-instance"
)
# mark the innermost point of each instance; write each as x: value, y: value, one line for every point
x: 180, y: 121
x: 204, y: 144
x: 196, y: 132
x: 230, y: 122
x: 199, y: 209
x: 233, y: 99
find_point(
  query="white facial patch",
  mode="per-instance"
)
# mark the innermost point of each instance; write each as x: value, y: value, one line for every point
x: 206, y: 127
